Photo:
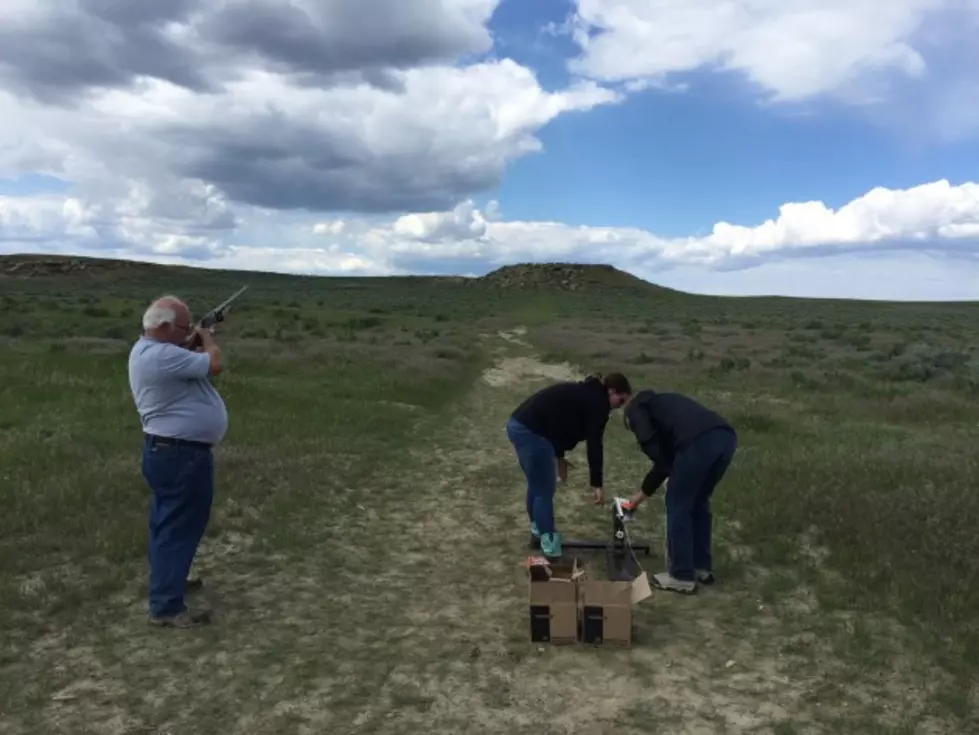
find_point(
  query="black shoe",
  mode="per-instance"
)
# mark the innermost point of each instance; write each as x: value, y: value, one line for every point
x: 186, y: 619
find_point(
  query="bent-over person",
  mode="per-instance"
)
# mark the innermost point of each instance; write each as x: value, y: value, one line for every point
x: 692, y: 446
x: 549, y: 424
x: 183, y: 417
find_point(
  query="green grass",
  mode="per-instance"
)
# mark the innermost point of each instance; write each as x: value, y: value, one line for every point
x: 364, y: 450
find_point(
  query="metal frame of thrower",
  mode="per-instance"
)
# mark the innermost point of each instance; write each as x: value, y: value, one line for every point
x: 619, y: 550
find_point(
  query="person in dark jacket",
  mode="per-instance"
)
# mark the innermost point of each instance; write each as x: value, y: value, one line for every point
x: 693, y: 447
x: 551, y: 423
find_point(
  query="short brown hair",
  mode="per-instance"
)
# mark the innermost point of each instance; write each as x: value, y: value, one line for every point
x: 614, y: 381
x: 619, y: 383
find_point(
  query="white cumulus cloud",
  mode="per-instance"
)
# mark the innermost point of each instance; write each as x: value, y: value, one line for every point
x: 931, y: 220
x: 464, y: 222
x: 792, y: 49
x: 936, y: 217
x: 175, y: 121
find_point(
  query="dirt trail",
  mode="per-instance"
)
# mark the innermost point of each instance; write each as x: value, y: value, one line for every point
x: 719, y: 662
x: 411, y: 617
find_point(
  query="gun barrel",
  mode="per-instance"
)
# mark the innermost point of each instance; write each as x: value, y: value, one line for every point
x: 217, y: 314
x: 235, y: 295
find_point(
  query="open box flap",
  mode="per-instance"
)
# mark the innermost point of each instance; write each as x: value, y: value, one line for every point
x: 640, y: 588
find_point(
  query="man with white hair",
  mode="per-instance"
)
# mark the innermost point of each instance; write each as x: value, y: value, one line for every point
x: 183, y: 417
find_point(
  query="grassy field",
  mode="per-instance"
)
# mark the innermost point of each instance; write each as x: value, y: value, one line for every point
x: 365, y: 553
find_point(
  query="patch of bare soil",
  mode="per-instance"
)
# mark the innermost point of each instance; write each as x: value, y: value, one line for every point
x: 514, y: 336
x: 512, y: 370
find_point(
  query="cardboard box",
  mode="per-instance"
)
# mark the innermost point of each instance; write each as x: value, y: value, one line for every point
x: 606, y: 610
x: 566, y: 606
x: 554, y: 601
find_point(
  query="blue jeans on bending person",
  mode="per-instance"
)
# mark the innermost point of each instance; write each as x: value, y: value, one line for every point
x: 697, y: 470
x: 537, y: 460
x: 181, y: 479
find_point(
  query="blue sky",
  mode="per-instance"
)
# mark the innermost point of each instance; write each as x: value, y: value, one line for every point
x: 677, y: 163
x: 808, y: 148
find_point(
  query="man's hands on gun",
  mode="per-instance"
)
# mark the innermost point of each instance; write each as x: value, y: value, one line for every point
x: 202, y: 340
x: 197, y: 339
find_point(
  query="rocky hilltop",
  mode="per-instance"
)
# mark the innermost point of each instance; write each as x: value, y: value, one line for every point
x: 562, y: 277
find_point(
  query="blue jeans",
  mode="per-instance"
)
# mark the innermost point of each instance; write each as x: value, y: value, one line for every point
x: 181, y: 478
x: 696, y: 472
x: 537, y: 460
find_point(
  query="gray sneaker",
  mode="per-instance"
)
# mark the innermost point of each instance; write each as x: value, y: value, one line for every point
x: 665, y: 581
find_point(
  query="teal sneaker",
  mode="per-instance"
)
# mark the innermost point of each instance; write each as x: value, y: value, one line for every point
x: 533, y: 530
x: 550, y: 545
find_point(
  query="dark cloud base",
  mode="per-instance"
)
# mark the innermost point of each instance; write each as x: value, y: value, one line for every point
x: 59, y: 55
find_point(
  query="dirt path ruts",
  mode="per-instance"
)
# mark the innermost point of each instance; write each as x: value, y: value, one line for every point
x: 719, y: 662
